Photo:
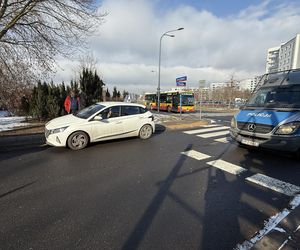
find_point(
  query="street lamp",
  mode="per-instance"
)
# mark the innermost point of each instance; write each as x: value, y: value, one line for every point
x: 159, y: 63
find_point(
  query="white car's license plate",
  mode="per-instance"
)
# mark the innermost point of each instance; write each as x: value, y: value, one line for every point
x: 250, y: 143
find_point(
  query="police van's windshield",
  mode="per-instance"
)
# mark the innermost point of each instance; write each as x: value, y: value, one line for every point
x: 287, y: 96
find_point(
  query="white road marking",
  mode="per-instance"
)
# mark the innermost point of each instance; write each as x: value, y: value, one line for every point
x: 223, y: 140
x: 209, y: 135
x: 196, y: 155
x: 205, y: 130
x: 226, y: 166
x: 210, y: 126
x: 274, y: 184
x: 269, y: 225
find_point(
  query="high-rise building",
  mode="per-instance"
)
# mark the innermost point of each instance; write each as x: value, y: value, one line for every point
x: 284, y: 57
x: 250, y: 83
x: 272, y: 60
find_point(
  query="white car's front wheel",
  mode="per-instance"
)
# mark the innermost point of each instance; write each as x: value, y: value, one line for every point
x: 78, y: 140
x: 146, y: 132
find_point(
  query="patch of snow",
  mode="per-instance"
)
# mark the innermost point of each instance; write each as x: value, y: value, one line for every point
x: 295, y: 202
x: 8, y: 123
x: 279, y: 229
x: 269, y: 225
x: 158, y: 118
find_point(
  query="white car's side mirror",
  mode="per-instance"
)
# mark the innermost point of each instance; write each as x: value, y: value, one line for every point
x: 98, y: 118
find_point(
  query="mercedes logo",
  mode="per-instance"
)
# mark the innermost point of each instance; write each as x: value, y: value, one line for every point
x: 251, y: 127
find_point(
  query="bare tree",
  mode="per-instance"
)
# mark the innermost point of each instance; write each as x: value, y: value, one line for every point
x: 230, y: 91
x: 34, y: 32
x: 88, y: 61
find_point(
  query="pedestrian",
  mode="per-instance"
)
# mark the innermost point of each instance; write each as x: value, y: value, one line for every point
x: 82, y: 97
x: 72, y: 103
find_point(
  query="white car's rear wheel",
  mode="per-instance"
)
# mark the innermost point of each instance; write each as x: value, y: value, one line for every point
x: 78, y: 140
x: 146, y: 132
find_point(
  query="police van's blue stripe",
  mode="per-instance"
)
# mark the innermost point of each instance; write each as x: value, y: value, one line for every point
x: 263, y: 116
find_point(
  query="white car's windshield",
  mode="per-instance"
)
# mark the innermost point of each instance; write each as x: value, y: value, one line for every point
x: 87, y: 112
x: 276, y: 97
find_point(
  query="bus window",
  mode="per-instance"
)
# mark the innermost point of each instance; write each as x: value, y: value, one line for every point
x: 163, y: 98
x: 169, y: 99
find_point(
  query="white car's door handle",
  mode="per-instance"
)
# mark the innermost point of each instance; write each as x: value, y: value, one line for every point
x: 118, y: 122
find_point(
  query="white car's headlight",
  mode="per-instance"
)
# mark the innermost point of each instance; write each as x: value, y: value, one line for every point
x: 288, y: 129
x: 58, y: 130
x: 233, y: 123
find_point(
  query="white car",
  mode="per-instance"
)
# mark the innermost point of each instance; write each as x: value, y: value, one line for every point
x: 99, y: 122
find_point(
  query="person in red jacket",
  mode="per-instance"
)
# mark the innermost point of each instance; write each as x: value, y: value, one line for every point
x: 72, y: 103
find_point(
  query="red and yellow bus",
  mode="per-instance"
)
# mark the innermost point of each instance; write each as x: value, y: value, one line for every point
x: 170, y: 101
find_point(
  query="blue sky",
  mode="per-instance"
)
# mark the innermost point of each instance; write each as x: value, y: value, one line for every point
x: 221, y: 8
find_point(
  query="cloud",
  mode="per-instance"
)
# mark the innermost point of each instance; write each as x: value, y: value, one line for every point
x: 209, y: 47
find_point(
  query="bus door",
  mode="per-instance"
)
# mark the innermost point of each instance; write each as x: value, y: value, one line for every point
x: 176, y: 102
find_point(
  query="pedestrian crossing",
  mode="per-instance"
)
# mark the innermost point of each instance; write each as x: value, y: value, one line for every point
x: 223, y: 140
x: 215, y: 134
x: 219, y: 133
x: 204, y: 130
x: 213, y: 131
x: 256, y: 179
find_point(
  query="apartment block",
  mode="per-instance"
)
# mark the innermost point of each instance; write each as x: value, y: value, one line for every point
x: 284, y: 57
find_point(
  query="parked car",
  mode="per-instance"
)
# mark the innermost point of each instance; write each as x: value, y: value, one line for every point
x: 99, y: 122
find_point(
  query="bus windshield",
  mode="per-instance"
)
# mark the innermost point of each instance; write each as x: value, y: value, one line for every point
x: 287, y: 96
x: 187, y: 100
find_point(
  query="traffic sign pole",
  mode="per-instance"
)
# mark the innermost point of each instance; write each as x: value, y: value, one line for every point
x: 201, y: 85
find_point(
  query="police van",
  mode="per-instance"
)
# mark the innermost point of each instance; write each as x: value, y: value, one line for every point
x: 271, y: 118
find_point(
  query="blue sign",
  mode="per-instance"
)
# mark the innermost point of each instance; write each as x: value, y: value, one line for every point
x: 181, y: 79
x: 181, y: 84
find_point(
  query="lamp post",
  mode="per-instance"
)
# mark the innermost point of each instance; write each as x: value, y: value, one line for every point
x: 159, y: 63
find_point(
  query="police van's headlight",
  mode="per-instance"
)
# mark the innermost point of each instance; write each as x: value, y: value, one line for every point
x: 288, y: 129
x: 233, y: 123
x: 58, y: 130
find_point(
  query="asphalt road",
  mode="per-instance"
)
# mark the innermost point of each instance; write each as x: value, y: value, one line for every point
x: 135, y: 194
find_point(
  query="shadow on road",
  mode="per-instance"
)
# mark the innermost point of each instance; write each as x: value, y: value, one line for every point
x: 14, y: 151
x: 233, y: 209
x: 145, y: 221
x: 159, y: 128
